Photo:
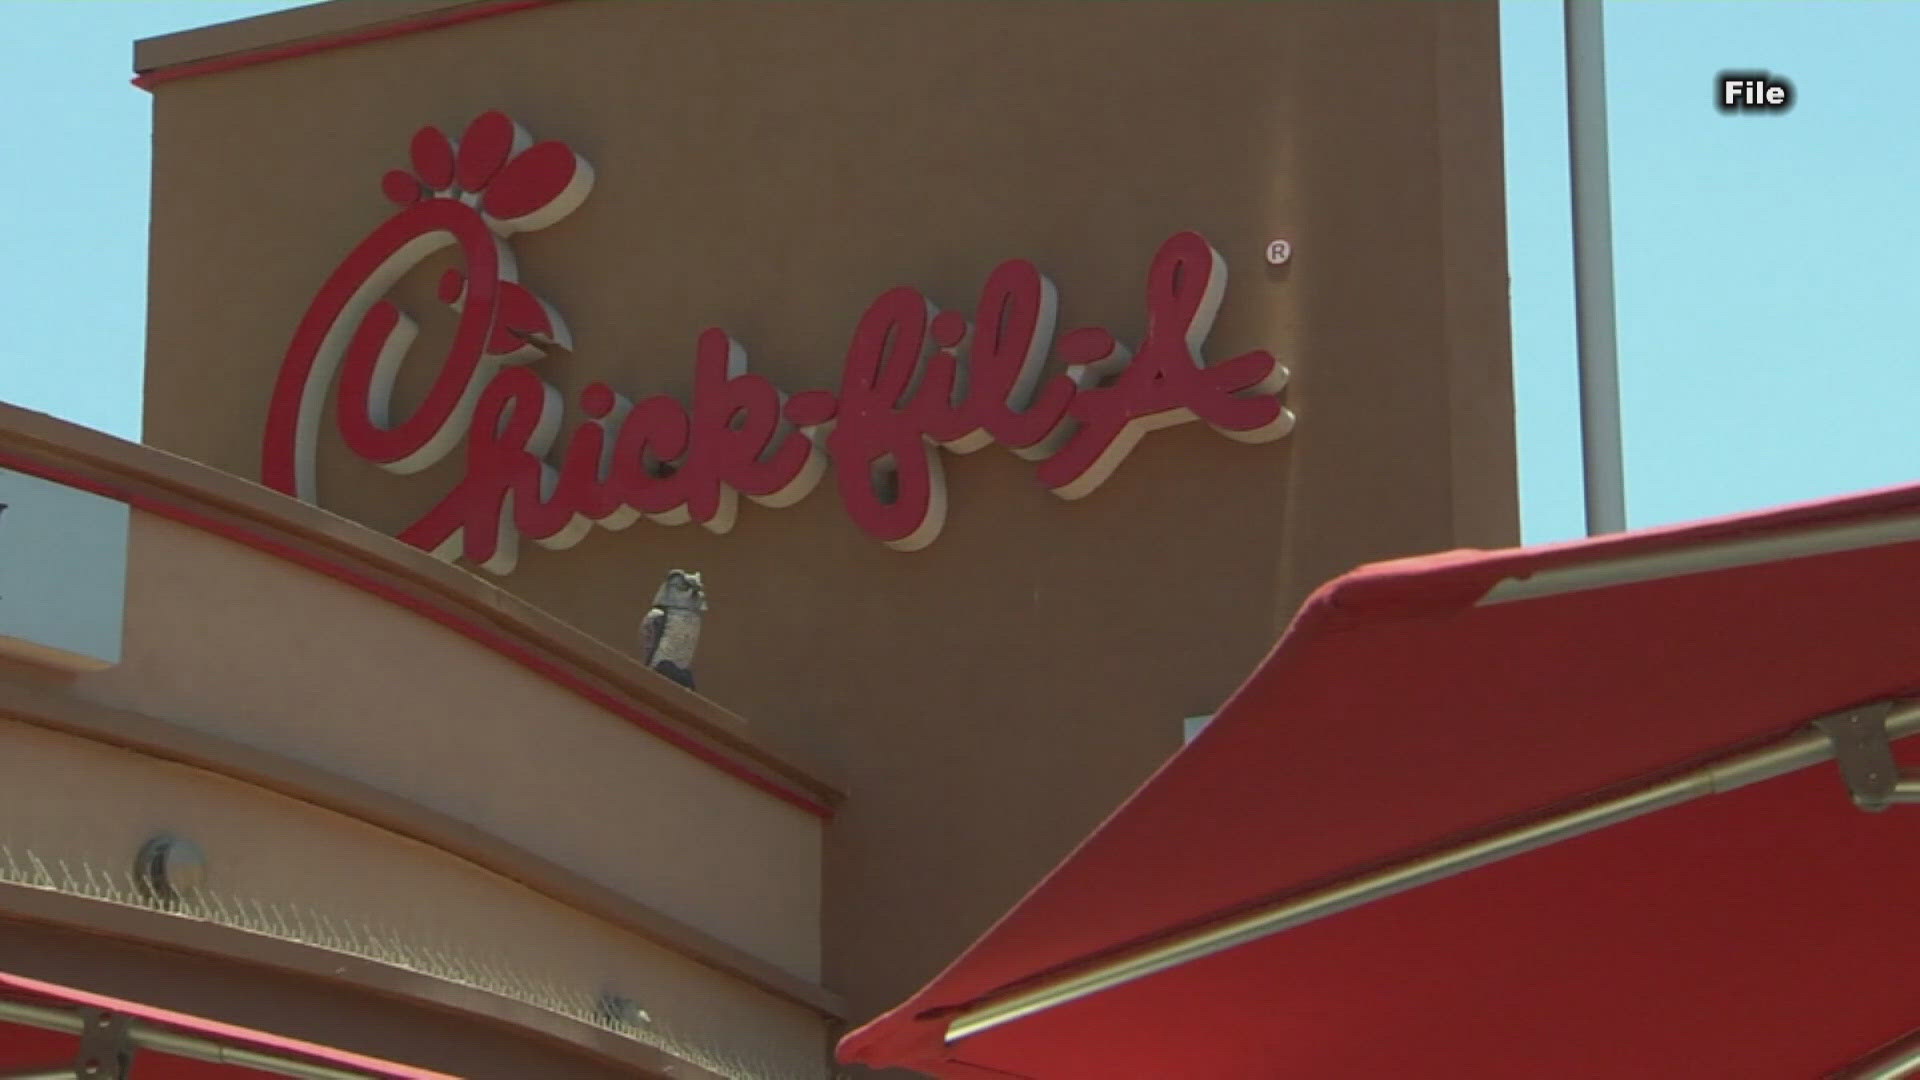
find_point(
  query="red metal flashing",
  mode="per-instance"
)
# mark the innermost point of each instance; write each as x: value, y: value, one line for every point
x: 147, y: 80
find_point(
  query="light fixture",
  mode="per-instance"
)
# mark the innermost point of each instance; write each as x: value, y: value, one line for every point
x: 169, y: 868
x: 616, y: 1010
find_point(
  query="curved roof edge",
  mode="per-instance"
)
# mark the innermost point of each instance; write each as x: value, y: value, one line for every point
x: 205, y: 498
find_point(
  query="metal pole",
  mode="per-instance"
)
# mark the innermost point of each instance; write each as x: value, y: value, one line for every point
x: 1902, y: 1059
x: 149, y: 1037
x: 1600, y: 449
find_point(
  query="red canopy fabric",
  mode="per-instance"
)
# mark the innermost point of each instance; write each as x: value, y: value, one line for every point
x: 25, y: 1047
x: 1753, y: 934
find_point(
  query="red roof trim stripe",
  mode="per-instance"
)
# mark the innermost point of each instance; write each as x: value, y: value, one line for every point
x: 147, y: 80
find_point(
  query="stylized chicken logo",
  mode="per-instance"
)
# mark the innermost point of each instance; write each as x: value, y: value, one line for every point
x: 496, y: 181
x: 917, y: 381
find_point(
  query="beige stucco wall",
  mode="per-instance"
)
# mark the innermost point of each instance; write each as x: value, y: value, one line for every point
x: 224, y: 638
x: 769, y: 168
x: 85, y: 809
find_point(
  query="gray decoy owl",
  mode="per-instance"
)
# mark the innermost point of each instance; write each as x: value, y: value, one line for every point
x: 671, y: 630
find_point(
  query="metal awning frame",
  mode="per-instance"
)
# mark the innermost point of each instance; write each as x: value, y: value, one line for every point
x: 1859, y: 738
x: 100, y: 1058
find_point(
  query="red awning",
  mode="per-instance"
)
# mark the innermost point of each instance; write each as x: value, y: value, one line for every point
x: 1415, y: 707
x: 39, y: 1035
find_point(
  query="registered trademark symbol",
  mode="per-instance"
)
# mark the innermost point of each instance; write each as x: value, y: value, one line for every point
x: 1278, y: 252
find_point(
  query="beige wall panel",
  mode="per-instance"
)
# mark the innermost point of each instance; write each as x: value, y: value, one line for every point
x: 266, y: 849
x: 226, y: 639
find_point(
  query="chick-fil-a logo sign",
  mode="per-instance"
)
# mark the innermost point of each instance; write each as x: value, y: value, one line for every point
x: 916, y: 380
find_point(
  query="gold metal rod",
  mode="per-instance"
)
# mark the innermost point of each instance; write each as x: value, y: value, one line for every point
x: 1788, y: 755
x: 148, y: 1037
x: 40, y: 1016
x: 188, y: 1046
x: 1902, y: 1059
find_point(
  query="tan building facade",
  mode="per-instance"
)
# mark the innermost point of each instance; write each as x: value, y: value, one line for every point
x: 400, y: 782
x: 768, y: 256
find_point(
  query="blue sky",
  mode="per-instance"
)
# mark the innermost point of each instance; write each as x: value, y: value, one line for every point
x: 1764, y: 262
